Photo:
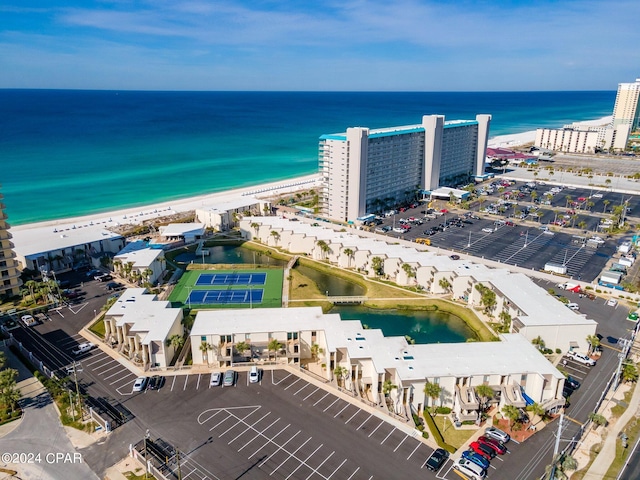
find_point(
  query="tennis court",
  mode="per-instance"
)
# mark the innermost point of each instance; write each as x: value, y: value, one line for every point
x: 231, y: 279
x: 209, y: 297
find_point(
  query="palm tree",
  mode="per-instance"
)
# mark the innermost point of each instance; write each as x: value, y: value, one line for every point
x: 276, y: 236
x: 146, y: 273
x: 256, y: 227
x: 568, y: 198
x: 537, y: 409
x: 629, y: 373
x: 204, y: 347
x: 316, y: 350
x: 117, y: 265
x: 432, y: 391
x: 31, y: 285
x: 349, y: 253
x: 486, y: 393
x: 266, y: 209
x: 606, y: 204
x: 341, y: 374
x: 274, y: 345
x: 324, y: 248
x: 534, y: 195
x: 242, y: 347
x: 377, y: 266
x: 512, y: 413
x: 176, y: 341
x: 9, y: 394
x: 444, y: 284
x: 582, y: 225
x: 594, y: 343
x: 387, y: 387
x: 409, y: 270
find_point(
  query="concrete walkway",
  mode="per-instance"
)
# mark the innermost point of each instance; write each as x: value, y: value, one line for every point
x: 602, y: 462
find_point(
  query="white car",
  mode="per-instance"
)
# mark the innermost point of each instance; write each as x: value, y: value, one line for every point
x: 496, y: 433
x: 28, y: 320
x: 469, y: 469
x: 254, y: 375
x: 216, y: 379
x: 612, y: 302
x: 82, y: 348
x: 487, y: 230
x: 573, y: 306
x: 597, y: 240
x: 582, y: 358
x: 596, y: 195
x: 140, y: 384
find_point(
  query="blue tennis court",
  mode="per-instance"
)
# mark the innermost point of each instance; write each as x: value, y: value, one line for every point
x: 231, y: 279
x: 203, y: 297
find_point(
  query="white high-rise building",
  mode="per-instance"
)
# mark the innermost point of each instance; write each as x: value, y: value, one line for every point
x: 626, y: 110
x: 364, y: 169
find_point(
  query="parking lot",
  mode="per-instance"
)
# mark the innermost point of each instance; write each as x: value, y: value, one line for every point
x: 528, y: 242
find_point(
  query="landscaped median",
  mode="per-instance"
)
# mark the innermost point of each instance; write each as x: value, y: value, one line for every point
x: 437, y: 435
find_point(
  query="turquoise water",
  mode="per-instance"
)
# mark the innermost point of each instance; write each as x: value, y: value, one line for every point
x: 69, y: 153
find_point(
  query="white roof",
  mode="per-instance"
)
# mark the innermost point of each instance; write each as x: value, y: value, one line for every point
x: 232, y: 204
x: 181, y: 229
x: 36, y: 241
x: 150, y: 317
x: 139, y: 253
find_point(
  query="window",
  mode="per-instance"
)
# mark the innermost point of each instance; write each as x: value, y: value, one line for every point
x: 203, y: 338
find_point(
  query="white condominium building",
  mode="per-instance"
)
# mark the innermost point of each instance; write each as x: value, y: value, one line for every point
x: 366, y: 169
x: 625, y: 110
x: 10, y: 284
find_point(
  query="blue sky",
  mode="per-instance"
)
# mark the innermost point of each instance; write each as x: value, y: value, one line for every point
x: 404, y: 45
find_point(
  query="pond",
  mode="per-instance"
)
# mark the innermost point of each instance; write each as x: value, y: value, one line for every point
x: 422, y: 326
x: 330, y: 283
x: 230, y: 254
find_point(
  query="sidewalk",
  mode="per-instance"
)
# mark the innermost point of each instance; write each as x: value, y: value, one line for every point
x: 602, y: 462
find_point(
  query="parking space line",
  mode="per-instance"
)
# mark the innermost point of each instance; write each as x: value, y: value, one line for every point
x: 270, y: 440
x: 292, y: 455
x: 357, y: 412
x: 248, y: 428
x: 185, y: 382
x: 277, y: 450
x: 97, y: 369
x: 304, y: 462
x: 385, y: 438
x: 325, y: 395
x: 331, y: 405
x: 344, y: 408
x: 260, y: 433
x: 108, y: 369
x: 305, y: 398
x: 351, y: 476
x: 173, y: 383
x: 112, y: 375
x: 209, y: 418
x: 240, y: 420
x: 318, y: 468
x: 287, y: 388
x: 376, y: 429
x: 362, y: 424
x: 304, y: 386
x: 198, y: 384
x: 280, y: 381
x: 339, y: 467
x: 414, y: 450
x: 99, y: 359
x: 401, y: 442
x: 121, y: 378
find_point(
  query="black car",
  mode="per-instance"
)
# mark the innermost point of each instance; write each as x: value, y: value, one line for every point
x: 437, y: 458
x: 572, y: 383
x: 156, y: 382
x: 113, y: 286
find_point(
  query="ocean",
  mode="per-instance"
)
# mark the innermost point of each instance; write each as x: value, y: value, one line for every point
x: 66, y: 153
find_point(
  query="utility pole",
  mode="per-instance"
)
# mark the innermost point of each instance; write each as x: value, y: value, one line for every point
x: 146, y: 462
x: 556, y: 447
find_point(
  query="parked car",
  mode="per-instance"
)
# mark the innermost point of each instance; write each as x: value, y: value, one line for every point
x: 476, y: 458
x: 156, y: 382
x: 82, y: 348
x: 497, y: 434
x: 140, y: 384
x: 229, y: 378
x: 487, y: 230
x: 498, y: 446
x: 216, y: 379
x: 573, y: 306
x: 103, y: 277
x: 582, y: 358
x: 483, y: 450
x: 28, y: 320
x: 470, y: 469
x: 572, y: 382
x: 612, y: 302
x: 113, y: 286
x: 254, y: 375
x: 437, y: 459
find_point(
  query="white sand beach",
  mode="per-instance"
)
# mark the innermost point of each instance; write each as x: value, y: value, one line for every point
x: 518, y: 139
x: 138, y: 214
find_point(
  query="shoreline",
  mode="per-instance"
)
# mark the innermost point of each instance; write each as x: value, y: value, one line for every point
x: 170, y: 207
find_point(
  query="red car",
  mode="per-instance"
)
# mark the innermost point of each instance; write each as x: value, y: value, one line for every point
x: 495, y: 444
x: 483, y: 450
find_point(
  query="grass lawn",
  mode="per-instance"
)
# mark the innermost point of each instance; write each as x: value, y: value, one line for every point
x: 455, y: 438
x: 98, y: 327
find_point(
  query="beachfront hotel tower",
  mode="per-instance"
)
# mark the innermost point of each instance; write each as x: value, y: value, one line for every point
x: 626, y: 111
x: 364, y: 170
x: 9, y: 275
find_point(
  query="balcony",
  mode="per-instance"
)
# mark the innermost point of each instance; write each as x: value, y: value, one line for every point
x: 467, y: 397
x: 513, y: 396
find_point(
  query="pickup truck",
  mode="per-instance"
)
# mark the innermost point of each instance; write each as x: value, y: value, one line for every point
x: 581, y: 358
x: 82, y: 348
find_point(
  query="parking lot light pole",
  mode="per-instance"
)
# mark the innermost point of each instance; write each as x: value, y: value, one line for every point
x: 469, y: 242
x: 146, y: 462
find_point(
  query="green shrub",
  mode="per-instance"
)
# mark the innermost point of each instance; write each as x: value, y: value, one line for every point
x: 437, y: 436
x: 558, y: 351
x: 425, y: 435
x: 443, y: 410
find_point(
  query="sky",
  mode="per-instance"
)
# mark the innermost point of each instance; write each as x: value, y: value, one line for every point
x: 320, y: 45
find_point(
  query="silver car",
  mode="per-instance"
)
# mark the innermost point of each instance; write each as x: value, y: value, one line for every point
x: 229, y: 378
x: 497, y: 434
